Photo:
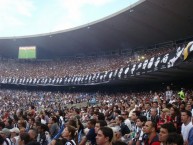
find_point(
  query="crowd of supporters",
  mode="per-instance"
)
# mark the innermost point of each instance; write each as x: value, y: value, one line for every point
x: 138, y: 118
x: 73, y: 66
x: 141, y: 118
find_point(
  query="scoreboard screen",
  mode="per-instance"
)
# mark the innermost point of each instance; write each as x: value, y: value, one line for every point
x: 27, y: 52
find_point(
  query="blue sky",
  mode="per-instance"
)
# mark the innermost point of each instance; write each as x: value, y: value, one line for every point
x: 29, y: 17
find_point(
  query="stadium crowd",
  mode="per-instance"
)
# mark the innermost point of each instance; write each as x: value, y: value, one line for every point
x: 138, y: 118
x: 45, y: 118
x: 73, y: 66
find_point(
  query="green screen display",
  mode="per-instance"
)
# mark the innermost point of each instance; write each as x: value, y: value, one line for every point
x: 27, y: 52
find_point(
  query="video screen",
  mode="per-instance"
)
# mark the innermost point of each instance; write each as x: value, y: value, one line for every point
x: 27, y: 52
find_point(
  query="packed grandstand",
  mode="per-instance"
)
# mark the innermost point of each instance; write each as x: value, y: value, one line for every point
x: 139, y: 96
x: 89, y: 70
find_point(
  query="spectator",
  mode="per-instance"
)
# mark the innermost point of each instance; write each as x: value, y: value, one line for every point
x: 190, y: 136
x: 6, y: 134
x: 1, y: 140
x: 164, y: 117
x: 31, y: 124
x: 61, y: 118
x: 99, y: 124
x: 187, y: 124
x: 2, y: 125
x: 134, y: 118
x: 123, y: 128
x: 24, y: 139
x: 33, y: 137
x: 42, y: 139
x: 104, y: 136
x: 91, y: 134
x: 150, y: 129
x: 127, y: 121
x: 139, y: 132
x: 147, y: 111
x: 154, y: 115
x: 175, y: 139
x: 15, y: 135
x: 176, y: 118
x: 165, y: 130
x: 70, y: 134
x: 54, y: 128
x: 8, y: 123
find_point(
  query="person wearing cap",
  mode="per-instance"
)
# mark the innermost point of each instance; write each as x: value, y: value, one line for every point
x: 5, y: 133
x: 15, y: 135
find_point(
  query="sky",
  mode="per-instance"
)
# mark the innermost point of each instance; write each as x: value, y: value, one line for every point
x: 31, y: 17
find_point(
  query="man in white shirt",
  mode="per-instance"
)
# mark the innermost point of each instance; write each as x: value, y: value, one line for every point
x: 15, y: 135
x: 127, y: 120
x: 169, y: 94
x: 5, y: 133
x: 187, y: 124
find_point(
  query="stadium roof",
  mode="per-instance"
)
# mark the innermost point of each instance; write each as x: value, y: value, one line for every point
x: 143, y: 24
